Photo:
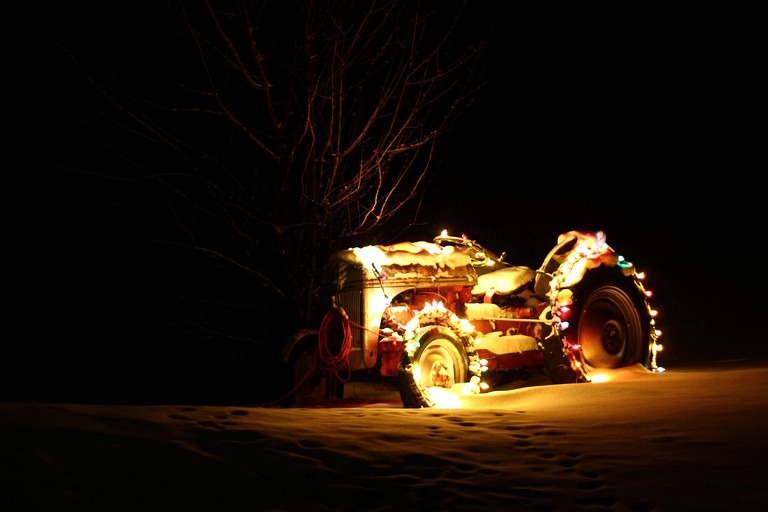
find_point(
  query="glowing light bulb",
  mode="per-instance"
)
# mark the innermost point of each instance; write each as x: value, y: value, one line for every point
x: 648, y: 293
x: 601, y: 239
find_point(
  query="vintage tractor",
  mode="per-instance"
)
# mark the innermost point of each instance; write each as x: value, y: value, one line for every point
x: 450, y: 313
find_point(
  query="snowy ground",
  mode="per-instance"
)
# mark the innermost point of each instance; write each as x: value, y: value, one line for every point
x: 692, y: 438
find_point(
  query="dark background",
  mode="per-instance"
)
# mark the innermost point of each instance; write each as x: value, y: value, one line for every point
x: 640, y: 124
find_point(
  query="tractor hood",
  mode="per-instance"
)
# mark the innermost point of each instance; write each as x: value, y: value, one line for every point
x: 400, y: 263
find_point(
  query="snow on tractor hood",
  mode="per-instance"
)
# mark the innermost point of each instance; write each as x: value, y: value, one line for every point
x: 400, y: 262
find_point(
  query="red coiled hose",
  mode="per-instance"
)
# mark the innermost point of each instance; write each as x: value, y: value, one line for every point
x: 328, y: 360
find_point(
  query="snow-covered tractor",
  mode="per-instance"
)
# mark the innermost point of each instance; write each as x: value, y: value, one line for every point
x: 451, y: 314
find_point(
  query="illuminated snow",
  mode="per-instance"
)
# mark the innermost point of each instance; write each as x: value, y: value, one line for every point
x: 411, y: 253
x: 687, y: 439
x: 504, y: 281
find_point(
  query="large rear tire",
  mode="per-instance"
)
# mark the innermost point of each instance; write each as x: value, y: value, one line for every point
x: 610, y: 321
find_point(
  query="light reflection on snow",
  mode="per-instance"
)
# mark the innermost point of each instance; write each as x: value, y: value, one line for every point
x: 450, y: 398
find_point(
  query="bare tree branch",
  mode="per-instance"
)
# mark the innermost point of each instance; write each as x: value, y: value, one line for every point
x: 275, y: 132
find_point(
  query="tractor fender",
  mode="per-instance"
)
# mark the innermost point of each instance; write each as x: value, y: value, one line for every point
x: 296, y: 339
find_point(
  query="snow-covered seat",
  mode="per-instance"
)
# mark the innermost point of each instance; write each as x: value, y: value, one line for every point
x: 485, y: 310
x: 499, y: 343
x: 504, y: 281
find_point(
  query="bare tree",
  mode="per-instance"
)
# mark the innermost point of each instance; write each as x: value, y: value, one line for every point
x: 271, y: 134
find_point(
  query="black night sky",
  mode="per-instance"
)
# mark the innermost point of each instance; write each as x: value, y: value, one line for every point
x: 640, y: 124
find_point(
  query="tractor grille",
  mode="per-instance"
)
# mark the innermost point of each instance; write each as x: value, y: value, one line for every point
x: 352, y: 302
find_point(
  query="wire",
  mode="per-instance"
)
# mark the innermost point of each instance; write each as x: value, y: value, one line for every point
x: 335, y: 362
x: 380, y: 279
